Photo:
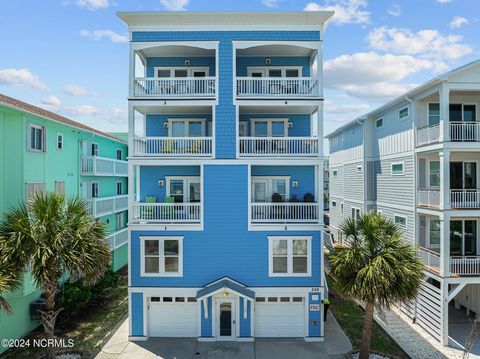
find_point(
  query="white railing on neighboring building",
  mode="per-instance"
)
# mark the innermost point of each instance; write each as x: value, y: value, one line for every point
x: 277, y: 86
x: 167, y: 212
x: 464, y: 131
x: 118, y: 239
x: 465, y: 198
x: 103, y: 166
x: 465, y: 265
x: 278, y: 146
x: 172, y: 146
x: 429, y: 197
x: 430, y: 259
x: 174, y: 87
x: 285, y: 212
x: 108, y: 205
x: 428, y: 134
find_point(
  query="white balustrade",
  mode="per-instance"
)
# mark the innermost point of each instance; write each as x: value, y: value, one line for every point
x: 429, y: 197
x: 277, y: 86
x: 285, y: 212
x: 118, y: 239
x: 430, y: 259
x: 108, y: 205
x: 465, y: 265
x: 103, y: 166
x: 173, y: 146
x: 465, y: 198
x: 428, y: 134
x: 464, y: 131
x: 278, y: 146
x: 174, y: 87
x: 167, y: 212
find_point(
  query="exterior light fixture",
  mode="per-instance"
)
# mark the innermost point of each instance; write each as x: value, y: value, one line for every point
x: 295, y: 184
x: 160, y: 183
x: 268, y: 61
x: 187, y: 62
x: 290, y: 124
x: 165, y: 124
x: 225, y: 294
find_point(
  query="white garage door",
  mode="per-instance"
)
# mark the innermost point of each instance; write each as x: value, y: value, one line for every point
x: 172, y: 320
x: 279, y: 319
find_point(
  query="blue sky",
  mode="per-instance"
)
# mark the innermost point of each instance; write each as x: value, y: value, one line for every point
x: 71, y: 56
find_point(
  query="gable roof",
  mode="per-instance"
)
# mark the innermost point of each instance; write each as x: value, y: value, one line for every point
x: 224, y: 283
x: 34, y: 110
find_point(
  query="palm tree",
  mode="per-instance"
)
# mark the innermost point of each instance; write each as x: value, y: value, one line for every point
x: 54, y: 236
x: 10, y: 280
x: 375, y: 266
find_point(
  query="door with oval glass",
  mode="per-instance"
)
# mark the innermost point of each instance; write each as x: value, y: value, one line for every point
x: 225, y: 319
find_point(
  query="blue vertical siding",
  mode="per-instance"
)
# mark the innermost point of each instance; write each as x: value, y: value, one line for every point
x: 206, y: 324
x: 300, y: 123
x: 314, y: 317
x: 245, y: 324
x: 137, y: 314
x: 154, y: 123
x: 244, y: 62
x: 153, y: 62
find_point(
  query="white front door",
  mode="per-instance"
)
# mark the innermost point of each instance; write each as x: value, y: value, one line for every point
x: 225, y: 322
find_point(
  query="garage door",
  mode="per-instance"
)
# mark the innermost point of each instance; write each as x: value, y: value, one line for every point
x: 172, y: 320
x: 279, y: 319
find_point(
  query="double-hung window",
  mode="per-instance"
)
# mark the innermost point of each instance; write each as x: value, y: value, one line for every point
x: 434, y: 173
x: 434, y: 233
x: 59, y: 141
x: 37, y: 138
x: 289, y: 256
x: 162, y: 256
x: 94, y: 149
x: 356, y: 213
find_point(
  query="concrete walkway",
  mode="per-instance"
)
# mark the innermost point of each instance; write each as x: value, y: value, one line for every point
x: 335, y: 346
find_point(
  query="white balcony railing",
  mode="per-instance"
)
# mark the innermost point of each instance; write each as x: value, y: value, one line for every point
x: 277, y: 86
x: 167, y: 212
x: 430, y: 259
x: 428, y: 134
x: 108, y: 205
x: 465, y: 198
x: 429, y: 197
x: 172, y: 146
x: 285, y: 212
x: 465, y: 265
x: 118, y: 239
x: 102, y: 166
x: 174, y: 87
x: 464, y: 131
x: 278, y: 146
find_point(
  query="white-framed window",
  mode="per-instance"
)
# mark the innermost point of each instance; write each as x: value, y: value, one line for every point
x: 94, y: 149
x: 181, y: 71
x: 186, y: 127
x: 60, y: 187
x: 274, y: 71
x: 434, y: 173
x: 94, y: 189
x: 356, y: 213
x: 462, y: 112
x: 397, y: 168
x: 359, y: 169
x: 403, y: 113
x: 184, y: 189
x: 400, y: 220
x: 119, y: 220
x: 289, y: 256
x: 263, y: 188
x: 119, y: 154
x: 59, y: 141
x: 161, y: 256
x: 433, y: 114
x: 379, y: 123
x: 119, y: 188
x: 37, y: 138
x: 334, y: 204
x: 270, y: 127
x: 433, y: 233
x: 334, y: 172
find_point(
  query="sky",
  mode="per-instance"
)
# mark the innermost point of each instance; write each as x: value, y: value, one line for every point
x: 71, y: 56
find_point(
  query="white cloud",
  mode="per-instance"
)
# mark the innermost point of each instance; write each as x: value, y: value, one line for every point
x: 457, y: 22
x: 100, y: 34
x: 444, y: 1
x: 17, y: 77
x: 93, y: 4
x: 112, y: 115
x: 373, y: 75
x: 334, y: 107
x: 395, y: 10
x: 424, y: 43
x: 175, y: 5
x: 346, y: 11
x: 75, y: 90
x: 53, y: 101
x: 270, y: 3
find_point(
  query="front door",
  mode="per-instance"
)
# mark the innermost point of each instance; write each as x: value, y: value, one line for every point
x: 225, y: 319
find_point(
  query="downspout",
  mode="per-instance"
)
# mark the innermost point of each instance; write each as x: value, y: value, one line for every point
x: 361, y: 121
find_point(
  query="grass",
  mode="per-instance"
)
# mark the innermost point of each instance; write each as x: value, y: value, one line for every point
x: 350, y: 317
x: 89, y: 329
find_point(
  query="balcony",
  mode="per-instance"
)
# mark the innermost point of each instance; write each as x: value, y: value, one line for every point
x: 465, y: 198
x: 274, y: 87
x: 465, y: 131
x: 271, y: 213
x: 465, y: 265
x: 429, y: 198
x: 118, y: 239
x: 278, y: 147
x: 172, y: 146
x: 197, y: 87
x: 108, y: 205
x: 427, y: 135
x: 167, y: 212
x: 430, y: 259
x: 102, y: 166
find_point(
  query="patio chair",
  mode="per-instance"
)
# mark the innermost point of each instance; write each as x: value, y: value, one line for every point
x: 149, y: 211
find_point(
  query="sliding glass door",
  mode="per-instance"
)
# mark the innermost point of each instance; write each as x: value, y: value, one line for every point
x: 463, y: 237
x: 463, y: 175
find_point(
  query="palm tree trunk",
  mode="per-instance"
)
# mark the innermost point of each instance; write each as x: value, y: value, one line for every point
x: 367, y: 331
x: 49, y: 315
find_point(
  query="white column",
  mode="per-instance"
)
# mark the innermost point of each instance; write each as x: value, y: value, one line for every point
x: 445, y: 245
x: 444, y: 333
x: 444, y: 96
x: 320, y: 68
x: 131, y: 190
x: 444, y: 179
x: 131, y: 73
x: 131, y: 129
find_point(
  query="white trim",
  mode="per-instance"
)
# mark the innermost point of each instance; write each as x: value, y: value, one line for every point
x: 234, y: 314
x: 382, y: 125
x: 43, y: 137
x: 121, y: 188
x: 315, y: 339
x: 60, y: 135
x: 186, y: 122
x: 397, y: 163
x: 92, y: 183
x: 397, y: 215
x: 356, y: 209
x: 269, y: 122
x: 289, y: 256
x: 428, y: 174
x: 137, y: 339
x: 161, y: 256
x: 400, y: 109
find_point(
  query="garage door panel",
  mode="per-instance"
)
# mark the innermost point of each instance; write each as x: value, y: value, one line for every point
x: 279, y: 320
x: 172, y: 320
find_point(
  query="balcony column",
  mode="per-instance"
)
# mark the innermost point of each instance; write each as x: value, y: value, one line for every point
x: 444, y: 95
x: 131, y: 130
x: 444, y: 179
x: 320, y: 69
x: 131, y: 73
x: 445, y: 245
x: 131, y: 191
x: 320, y: 129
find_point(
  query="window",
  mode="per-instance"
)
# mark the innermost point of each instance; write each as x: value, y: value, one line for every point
x: 179, y: 299
x: 434, y: 173
x: 379, y: 123
x: 94, y: 189
x: 186, y: 127
x: 341, y: 208
x: 94, y: 149
x: 155, y: 299
x: 119, y: 154
x: 284, y: 299
x: 289, y: 256
x: 356, y: 213
x: 119, y: 221
x: 184, y: 189
x: 359, y: 169
x: 462, y: 112
x: 167, y: 299
x: 297, y: 299
x: 403, y: 113
x: 37, y: 138
x: 334, y: 172
x: 434, y: 233
x: 263, y: 188
x: 59, y: 141
x: 162, y: 256
x: 274, y: 71
x: 433, y: 114
x: 270, y: 127
x: 60, y: 187
x: 260, y: 299
x: 166, y: 72
x: 119, y: 188
x: 400, y: 220
x: 334, y: 204
x: 397, y: 168
x: 272, y: 299
x: 191, y: 299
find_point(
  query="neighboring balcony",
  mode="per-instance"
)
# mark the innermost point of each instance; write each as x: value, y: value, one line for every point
x: 108, y: 205
x: 118, y: 239
x: 285, y: 213
x: 274, y: 87
x: 429, y: 198
x: 172, y: 146
x: 279, y: 147
x: 102, y: 166
x: 428, y: 134
x: 459, y: 265
x: 167, y: 212
x: 182, y: 87
x: 459, y: 132
x: 465, y: 198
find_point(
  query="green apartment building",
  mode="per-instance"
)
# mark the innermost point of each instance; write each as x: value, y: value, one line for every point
x: 41, y: 151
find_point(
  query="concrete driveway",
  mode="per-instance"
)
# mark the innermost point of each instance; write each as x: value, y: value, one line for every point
x: 336, y: 344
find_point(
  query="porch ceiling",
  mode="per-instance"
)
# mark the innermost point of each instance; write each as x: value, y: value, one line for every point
x: 174, y: 50
x: 186, y: 110
x: 275, y: 50
x: 278, y: 109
